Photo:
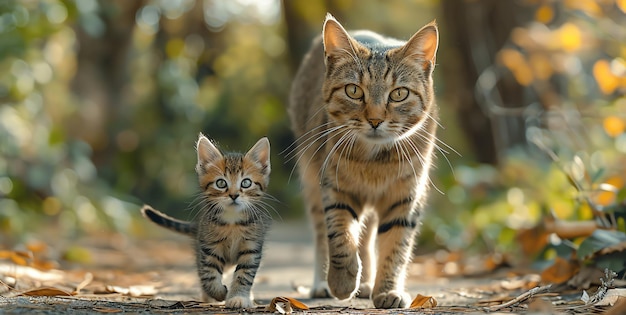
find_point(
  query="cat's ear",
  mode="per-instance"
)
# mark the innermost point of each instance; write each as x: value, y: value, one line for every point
x: 207, y: 152
x: 336, y: 39
x: 423, y: 46
x: 260, y: 153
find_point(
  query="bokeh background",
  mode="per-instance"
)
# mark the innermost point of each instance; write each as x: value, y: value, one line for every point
x: 101, y: 103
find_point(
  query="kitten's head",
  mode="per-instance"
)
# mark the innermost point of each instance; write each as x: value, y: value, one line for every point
x: 380, y: 89
x: 233, y: 180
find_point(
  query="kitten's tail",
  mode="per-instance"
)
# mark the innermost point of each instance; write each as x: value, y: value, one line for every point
x: 168, y: 222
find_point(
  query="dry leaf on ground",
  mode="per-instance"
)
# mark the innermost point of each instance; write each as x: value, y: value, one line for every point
x: 612, y: 296
x: 133, y: 290
x: 285, y: 305
x: 46, y: 291
x: 421, y: 301
x: 562, y: 270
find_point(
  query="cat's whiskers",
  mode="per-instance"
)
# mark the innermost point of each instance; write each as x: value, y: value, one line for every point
x: 428, y: 138
x: 301, y: 141
x: 344, y: 134
x: 333, y: 134
x: 422, y: 161
x: 349, y: 143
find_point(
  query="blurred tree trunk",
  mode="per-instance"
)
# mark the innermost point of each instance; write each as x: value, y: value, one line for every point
x: 479, y: 29
x: 299, y: 34
x: 102, y: 74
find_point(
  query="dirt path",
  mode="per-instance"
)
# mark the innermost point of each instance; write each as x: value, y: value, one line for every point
x: 158, y: 277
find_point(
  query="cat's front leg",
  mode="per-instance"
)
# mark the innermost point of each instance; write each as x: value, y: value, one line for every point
x: 344, y: 270
x: 395, y: 245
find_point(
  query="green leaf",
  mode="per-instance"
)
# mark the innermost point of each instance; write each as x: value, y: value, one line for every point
x: 598, y: 240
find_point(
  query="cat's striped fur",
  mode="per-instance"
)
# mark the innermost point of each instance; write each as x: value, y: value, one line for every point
x: 233, y: 220
x: 363, y: 111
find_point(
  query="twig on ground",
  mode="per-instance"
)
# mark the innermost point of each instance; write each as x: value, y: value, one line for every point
x: 524, y: 296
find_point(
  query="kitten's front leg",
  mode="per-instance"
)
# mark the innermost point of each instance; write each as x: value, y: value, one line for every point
x: 248, y: 261
x: 344, y: 270
x: 210, y: 268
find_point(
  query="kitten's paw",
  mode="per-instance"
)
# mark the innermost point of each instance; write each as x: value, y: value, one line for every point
x: 365, y: 290
x: 392, y: 299
x: 343, y: 281
x: 214, y: 293
x: 239, y: 302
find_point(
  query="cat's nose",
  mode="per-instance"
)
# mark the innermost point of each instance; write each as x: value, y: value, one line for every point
x: 374, y: 122
x: 234, y: 196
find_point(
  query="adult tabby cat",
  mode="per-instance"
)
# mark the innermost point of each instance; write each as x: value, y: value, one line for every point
x: 232, y: 223
x: 363, y: 111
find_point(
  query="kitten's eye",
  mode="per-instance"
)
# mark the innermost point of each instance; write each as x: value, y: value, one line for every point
x: 221, y: 184
x: 399, y: 94
x: 354, y: 91
x: 246, y: 183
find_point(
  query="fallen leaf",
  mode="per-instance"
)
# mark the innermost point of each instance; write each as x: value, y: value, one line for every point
x: 37, y: 247
x: 421, y: 301
x: 285, y: 305
x: 561, y: 271
x: 618, y: 308
x: 612, y: 296
x: 133, y: 290
x: 542, y: 306
x: 46, y: 291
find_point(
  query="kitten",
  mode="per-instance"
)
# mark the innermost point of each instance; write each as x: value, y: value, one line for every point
x: 232, y: 224
x: 363, y: 111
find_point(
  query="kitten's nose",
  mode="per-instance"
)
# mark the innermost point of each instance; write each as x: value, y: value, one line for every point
x: 374, y: 122
x: 234, y: 196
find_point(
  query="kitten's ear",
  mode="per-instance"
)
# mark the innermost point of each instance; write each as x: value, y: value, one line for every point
x: 336, y: 39
x: 423, y: 45
x: 207, y: 151
x: 260, y: 153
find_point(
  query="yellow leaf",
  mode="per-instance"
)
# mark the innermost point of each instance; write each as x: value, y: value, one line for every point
x: 516, y: 62
x: 544, y: 14
x: 37, y: 247
x: 541, y: 66
x: 570, y: 37
x: 614, y: 126
x: 421, y: 301
x: 621, y: 4
x: 607, y: 81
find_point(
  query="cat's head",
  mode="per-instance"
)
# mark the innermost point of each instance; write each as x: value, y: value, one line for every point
x: 233, y: 180
x: 380, y: 89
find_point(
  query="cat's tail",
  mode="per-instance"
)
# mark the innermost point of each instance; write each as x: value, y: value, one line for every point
x: 168, y: 222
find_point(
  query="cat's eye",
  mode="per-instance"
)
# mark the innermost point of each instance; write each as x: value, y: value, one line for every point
x: 399, y: 94
x: 354, y: 91
x: 246, y: 183
x: 220, y: 183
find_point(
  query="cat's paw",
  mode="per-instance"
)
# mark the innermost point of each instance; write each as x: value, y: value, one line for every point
x: 392, y: 299
x: 365, y: 290
x: 343, y: 280
x: 320, y: 291
x: 239, y: 302
x: 214, y: 293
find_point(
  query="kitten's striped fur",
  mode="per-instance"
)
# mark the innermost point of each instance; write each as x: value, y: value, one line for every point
x: 363, y: 111
x: 233, y: 220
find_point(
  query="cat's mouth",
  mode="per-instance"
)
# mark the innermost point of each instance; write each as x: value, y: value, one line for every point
x: 377, y: 136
